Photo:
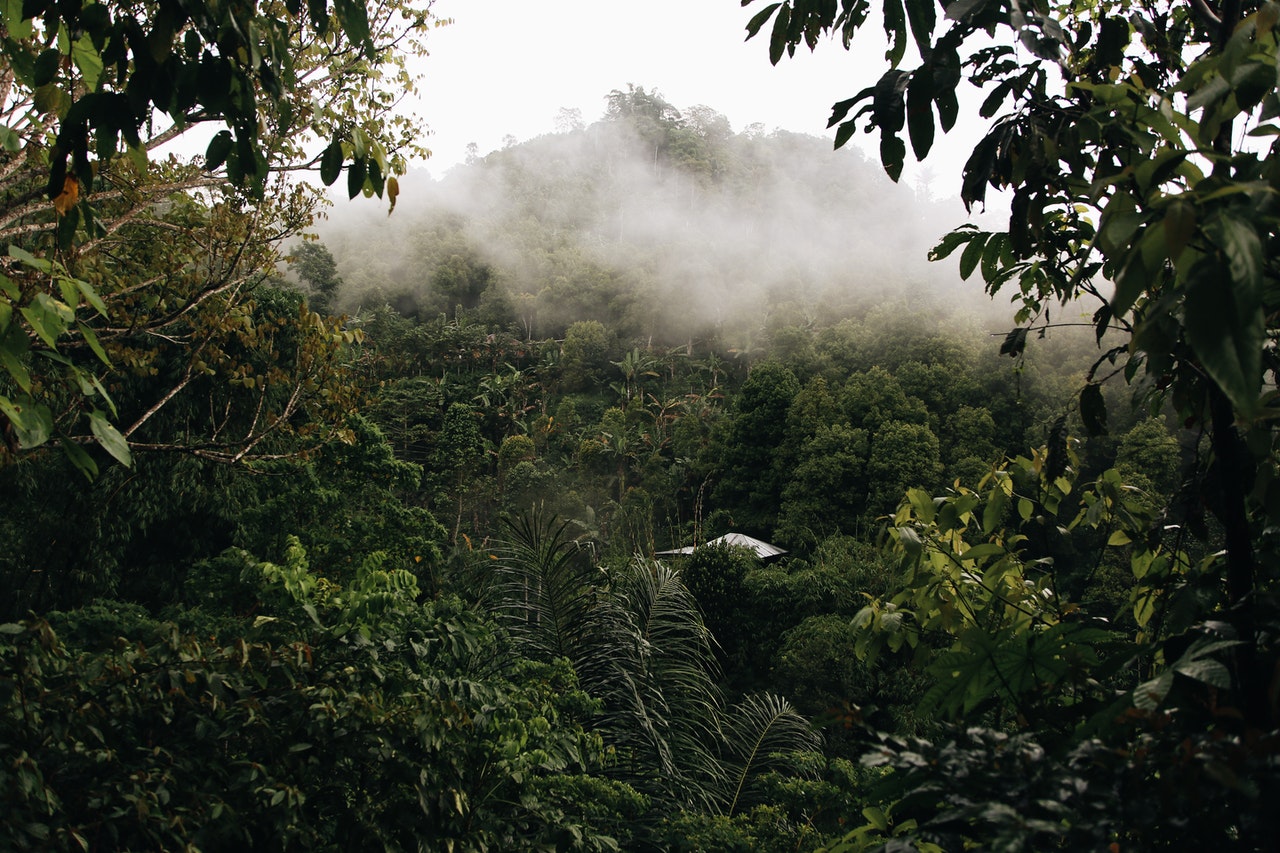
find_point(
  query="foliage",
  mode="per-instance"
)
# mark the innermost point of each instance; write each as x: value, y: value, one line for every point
x: 1120, y: 137
x: 85, y: 301
x: 337, y: 717
x: 637, y: 641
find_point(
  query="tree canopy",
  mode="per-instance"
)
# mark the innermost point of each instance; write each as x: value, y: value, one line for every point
x: 91, y: 96
x: 1135, y: 143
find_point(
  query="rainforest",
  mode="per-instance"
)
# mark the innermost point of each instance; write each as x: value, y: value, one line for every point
x: 650, y: 484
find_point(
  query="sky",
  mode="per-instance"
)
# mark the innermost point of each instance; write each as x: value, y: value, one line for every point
x: 507, y: 67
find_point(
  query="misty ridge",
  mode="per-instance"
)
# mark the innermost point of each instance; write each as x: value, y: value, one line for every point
x: 664, y: 224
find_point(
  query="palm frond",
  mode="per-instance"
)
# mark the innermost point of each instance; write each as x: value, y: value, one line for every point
x: 763, y: 732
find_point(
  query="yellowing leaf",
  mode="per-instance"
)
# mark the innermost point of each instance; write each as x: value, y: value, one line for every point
x: 68, y: 197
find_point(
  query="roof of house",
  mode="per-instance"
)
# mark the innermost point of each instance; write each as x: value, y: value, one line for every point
x: 763, y: 550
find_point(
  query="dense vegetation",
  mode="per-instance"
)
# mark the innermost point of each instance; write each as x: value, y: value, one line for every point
x: 387, y: 578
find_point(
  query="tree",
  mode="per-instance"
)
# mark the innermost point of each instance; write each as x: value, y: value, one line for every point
x: 91, y: 93
x: 1132, y: 140
x: 315, y: 265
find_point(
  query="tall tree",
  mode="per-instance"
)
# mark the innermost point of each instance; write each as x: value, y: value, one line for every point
x: 89, y: 95
x: 1132, y: 140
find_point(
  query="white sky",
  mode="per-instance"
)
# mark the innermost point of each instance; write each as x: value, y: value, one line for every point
x: 508, y: 66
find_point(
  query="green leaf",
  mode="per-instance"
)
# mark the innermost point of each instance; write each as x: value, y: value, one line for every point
x: 1239, y: 241
x: 80, y: 458
x: 893, y: 155
x: 15, y: 368
x: 951, y: 242
x: 876, y: 817
x: 960, y: 9
x: 356, y: 173
x: 1226, y: 328
x: 920, y: 114
x: 110, y: 438
x: 354, y: 18
x: 844, y: 132
x: 972, y: 255
x: 48, y: 317
x: 1015, y: 342
x: 1093, y: 410
x: 87, y: 60
x: 778, y: 37
x: 46, y: 67
x: 25, y: 257
x: 331, y: 163
x: 219, y: 147
x: 981, y: 550
x: 758, y: 20
x: 923, y: 18
x: 91, y: 296
x: 1179, y: 227
x: 31, y: 422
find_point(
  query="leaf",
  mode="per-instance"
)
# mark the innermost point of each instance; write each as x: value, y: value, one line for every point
x: 1239, y: 241
x: 893, y: 155
x: 778, y: 37
x: 31, y: 422
x: 758, y: 20
x: 219, y: 147
x: 331, y: 163
x: 393, y: 192
x: 1093, y: 410
x: 70, y: 194
x: 25, y: 257
x: 354, y: 18
x: 1226, y: 328
x: 80, y: 458
x: 48, y: 318
x: 845, y: 132
x: 88, y: 61
x: 1015, y: 342
x: 91, y: 296
x: 356, y: 173
x: 923, y: 18
x: 46, y: 67
x: 15, y: 368
x: 972, y: 255
x: 876, y: 817
x: 110, y: 438
x: 91, y: 339
x: 888, y: 105
x: 951, y: 242
x: 1179, y: 227
x: 920, y: 114
x: 961, y: 9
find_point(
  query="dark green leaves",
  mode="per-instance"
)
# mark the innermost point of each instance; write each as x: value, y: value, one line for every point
x: 331, y: 163
x: 219, y: 148
x: 778, y: 41
x: 1093, y: 409
x: 759, y: 19
x: 1225, y: 323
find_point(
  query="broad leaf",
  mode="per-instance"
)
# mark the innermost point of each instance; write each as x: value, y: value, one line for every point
x: 110, y: 438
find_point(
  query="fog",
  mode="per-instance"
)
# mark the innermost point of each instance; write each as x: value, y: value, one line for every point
x: 667, y: 225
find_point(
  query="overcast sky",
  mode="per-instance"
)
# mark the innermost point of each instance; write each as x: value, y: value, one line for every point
x: 508, y: 66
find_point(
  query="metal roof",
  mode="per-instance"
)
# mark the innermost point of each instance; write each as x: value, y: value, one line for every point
x: 763, y: 550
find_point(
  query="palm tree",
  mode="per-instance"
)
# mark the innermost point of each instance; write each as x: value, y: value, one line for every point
x: 638, y: 644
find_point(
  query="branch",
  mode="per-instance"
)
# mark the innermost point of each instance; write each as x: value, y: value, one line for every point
x: 1207, y: 15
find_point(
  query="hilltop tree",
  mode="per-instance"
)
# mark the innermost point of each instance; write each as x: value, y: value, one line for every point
x: 315, y: 265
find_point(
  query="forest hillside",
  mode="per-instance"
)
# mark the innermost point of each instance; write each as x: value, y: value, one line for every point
x: 390, y: 532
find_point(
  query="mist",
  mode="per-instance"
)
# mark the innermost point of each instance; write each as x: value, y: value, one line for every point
x: 664, y: 223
